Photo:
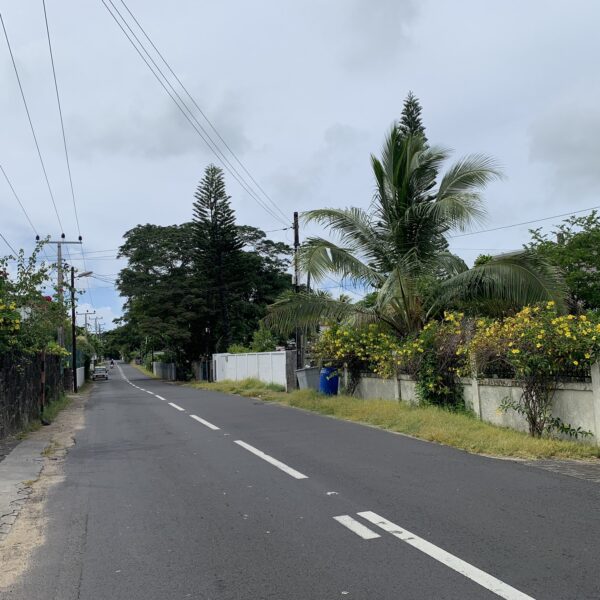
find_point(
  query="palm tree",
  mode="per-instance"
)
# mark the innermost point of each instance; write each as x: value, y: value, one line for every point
x: 399, y: 250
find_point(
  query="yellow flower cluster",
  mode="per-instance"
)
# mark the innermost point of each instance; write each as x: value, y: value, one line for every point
x: 538, y: 339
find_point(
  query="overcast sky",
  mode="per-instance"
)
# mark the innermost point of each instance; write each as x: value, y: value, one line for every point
x: 303, y: 91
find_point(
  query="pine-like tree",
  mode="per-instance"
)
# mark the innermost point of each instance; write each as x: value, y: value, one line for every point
x: 218, y: 248
x: 410, y: 122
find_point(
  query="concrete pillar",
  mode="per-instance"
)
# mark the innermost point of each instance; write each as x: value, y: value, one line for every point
x: 595, y: 371
x: 475, y: 390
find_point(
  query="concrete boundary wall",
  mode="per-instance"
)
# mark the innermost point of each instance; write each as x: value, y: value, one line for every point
x: 164, y: 370
x: 80, y: 376
x: 269, y: 367
x: 577, y: 404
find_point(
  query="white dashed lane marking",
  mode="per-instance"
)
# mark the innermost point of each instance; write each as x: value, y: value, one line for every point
x: 176, y: 406
x: 276, y: 463
x: 209, y: 425
x: 453, y: 562
x: 160, y: 397
x: 358, y: 528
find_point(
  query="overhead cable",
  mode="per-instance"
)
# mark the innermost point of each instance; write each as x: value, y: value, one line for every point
x: 185, y: 110
x: 202, y: 112
x: 30, y: 122
x: 15, y: 253
x: 533, y: 222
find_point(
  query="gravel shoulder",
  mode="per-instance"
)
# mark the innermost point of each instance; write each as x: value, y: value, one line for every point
x: 27, y: 475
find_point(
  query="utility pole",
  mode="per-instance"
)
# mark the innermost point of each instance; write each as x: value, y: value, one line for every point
x: 59, y: 244
x: 73, y: 331
x: 299, y: 353
x: 74, y: 325
x: 96, y: 325
x: 85, y: 316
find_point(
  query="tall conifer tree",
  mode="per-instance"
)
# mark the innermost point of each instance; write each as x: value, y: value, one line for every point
x: 218, y: 248
x: 410, y: 121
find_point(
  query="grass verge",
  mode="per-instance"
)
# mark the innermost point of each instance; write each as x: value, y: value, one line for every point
x: 50, y: 411
x: 429, y: 423
x: 143, y: 369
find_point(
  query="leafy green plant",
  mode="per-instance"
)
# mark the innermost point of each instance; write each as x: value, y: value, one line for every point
x: 539, y: 346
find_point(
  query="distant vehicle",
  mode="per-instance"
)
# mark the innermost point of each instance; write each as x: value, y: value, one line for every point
x: 100, y: 373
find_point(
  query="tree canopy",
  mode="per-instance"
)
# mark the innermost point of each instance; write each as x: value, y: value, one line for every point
x: 399, y: 248
x: 195, y: 288
x: 574, y: 247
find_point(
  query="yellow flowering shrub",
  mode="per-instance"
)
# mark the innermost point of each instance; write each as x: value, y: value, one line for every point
x: 371, y: 348
x: 436, y: 357
x: 10, y: 323
x: 538, y: 340
x: 539, y: 346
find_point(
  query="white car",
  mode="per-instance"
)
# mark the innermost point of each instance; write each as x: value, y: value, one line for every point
x: 100, y: 373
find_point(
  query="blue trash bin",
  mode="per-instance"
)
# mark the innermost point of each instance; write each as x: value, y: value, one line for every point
x: 328, y: 381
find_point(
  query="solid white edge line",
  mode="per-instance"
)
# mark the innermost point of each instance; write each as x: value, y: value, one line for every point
x: 358, y: 528
x: 453, y: 562
x: 276, y: 463
x: 160, y: 397
x: 176, y: 406
x: 209, y: 425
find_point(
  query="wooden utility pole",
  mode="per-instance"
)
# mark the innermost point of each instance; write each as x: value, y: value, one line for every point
x: 59, y: 282
x: 299, y: 353
x: 73, y: 330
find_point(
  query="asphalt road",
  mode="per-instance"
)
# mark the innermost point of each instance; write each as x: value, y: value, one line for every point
x: 172, y: 493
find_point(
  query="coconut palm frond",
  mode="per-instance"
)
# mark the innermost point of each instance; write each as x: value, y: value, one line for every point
x: 354, y: 228
x: 518, y: 279
x: 319, y: 257
x: 310, y: 310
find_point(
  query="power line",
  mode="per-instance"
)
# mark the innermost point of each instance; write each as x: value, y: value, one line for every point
x: 202, y: 112
x: 189, y: 115
x: 10, y: 185
x: 30, y: 122
x: 64, y: 138
x: 15, y: 253
x: 62, y: 124
x: 573, y: 212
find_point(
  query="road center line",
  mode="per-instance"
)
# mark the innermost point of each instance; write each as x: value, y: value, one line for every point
x: 209, y: 425
x: 358, y: 528
x: 276, y: 463
x: 453, y: 562
x: 147, y: 392
x: 176, y: 406
x: 160, y: 397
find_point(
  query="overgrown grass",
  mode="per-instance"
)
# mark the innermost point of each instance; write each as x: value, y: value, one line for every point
x: 51, y: 410
x: 430, y: 423
x: 143, y: 369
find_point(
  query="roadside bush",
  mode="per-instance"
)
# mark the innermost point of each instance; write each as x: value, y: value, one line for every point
x: 539, y: 346
x: 358, y: 349
x: 436, y: 358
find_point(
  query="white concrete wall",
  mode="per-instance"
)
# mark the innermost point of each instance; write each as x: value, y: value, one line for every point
x: 269, y: 367
x: 80, y: 376
x: 577, y: 404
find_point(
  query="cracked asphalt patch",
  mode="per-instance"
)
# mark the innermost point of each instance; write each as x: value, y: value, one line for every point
x: 26, y: 477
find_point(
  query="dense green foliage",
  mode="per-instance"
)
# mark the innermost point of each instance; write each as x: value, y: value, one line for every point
x: 574, y: 246
x: 398, y: 248
x: 197, y: 288
x: 29, y: 317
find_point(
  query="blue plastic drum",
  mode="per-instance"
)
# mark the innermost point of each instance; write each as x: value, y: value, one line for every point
x: 328, y: 381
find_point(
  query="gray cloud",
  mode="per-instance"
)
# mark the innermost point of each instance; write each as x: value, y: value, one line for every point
x: 377, y: 32
x: 566, y: 140
x: 156, y: 130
